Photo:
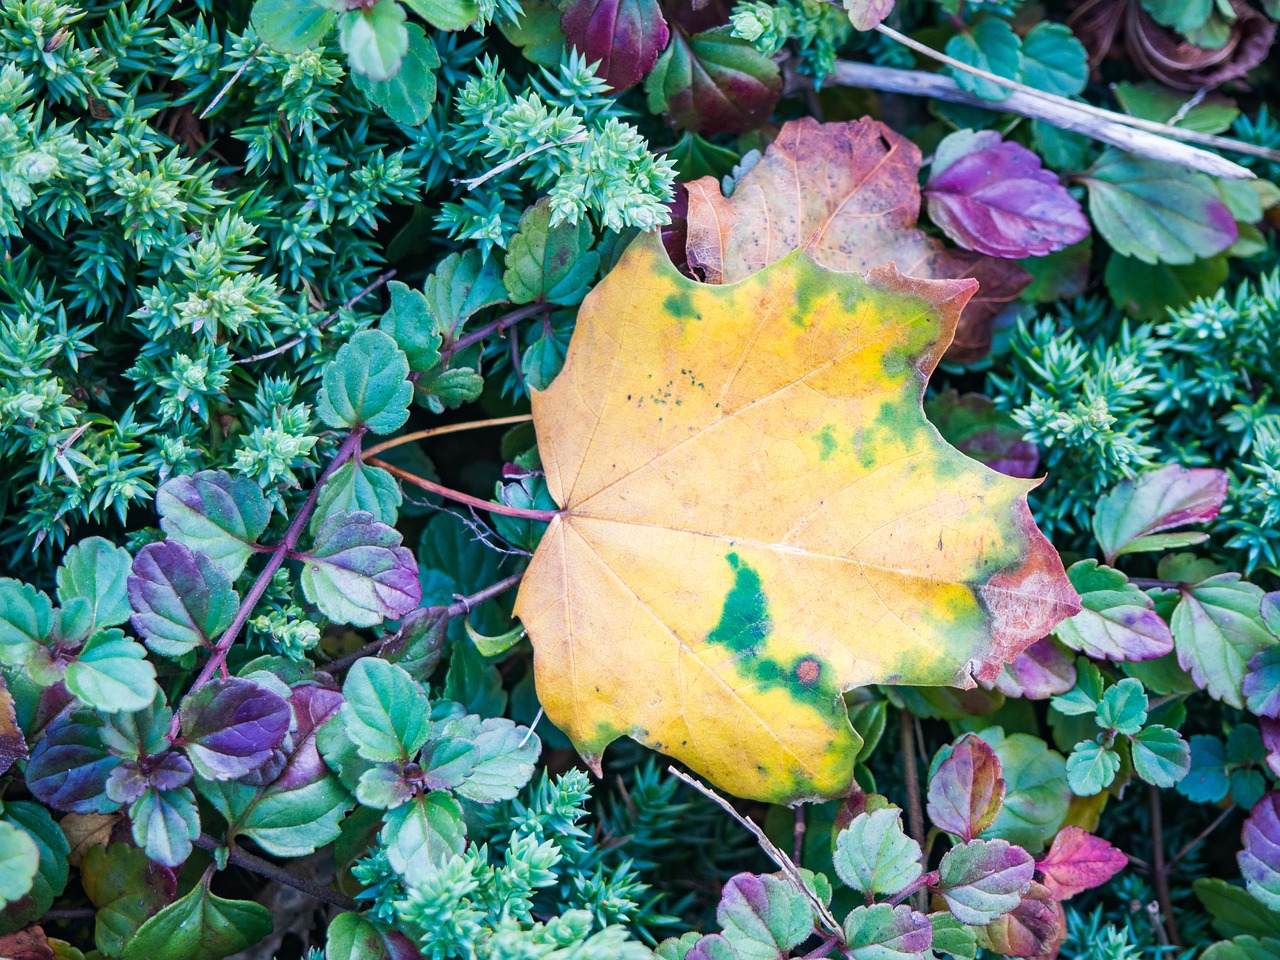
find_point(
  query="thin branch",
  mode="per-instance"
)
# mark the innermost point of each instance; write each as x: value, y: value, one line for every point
x: 921, y: 84
x: 504, y: 321
x: 1201, y: 837
x: 404, y: 438
x: 226, y: 87
x: 545, y: 516
x: 1159, y: 870
x: 785, y: 863
x: 290, y: 344
x: 1147, y: 583
x: 580, y: 137
x: 461, y: 607
x: 1125, y: 119
x: 350, y: 447
x: 915, y: 812
x: 265, y: 868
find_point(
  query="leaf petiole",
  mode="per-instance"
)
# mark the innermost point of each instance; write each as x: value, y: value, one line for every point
x: 545, y: 516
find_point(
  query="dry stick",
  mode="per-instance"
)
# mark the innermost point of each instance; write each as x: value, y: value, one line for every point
x: 920, y: 84
x: 350, y: 447
x: 226, y: 87
x: 785, y: 863
x: 265, y: 868
x: 545, y: 516
x: 462, y: 606
x: 1159, y: 870
x: 1076, y: 106
x: 448, y: 428
x: 290, y: 344
x: 1200, y: 837
x: 915, y: 813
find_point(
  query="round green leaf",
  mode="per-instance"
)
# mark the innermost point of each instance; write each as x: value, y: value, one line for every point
x: 366, y: 385
x: 874, y: 855
x: 200, y: 926
x: 111, y: 673
x: 19, y: 861
x: 98, y: 571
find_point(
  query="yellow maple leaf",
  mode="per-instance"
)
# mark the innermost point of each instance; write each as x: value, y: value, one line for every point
x: 757, y: 516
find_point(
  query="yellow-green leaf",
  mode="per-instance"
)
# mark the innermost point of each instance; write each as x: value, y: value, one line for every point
x: 757, y: 516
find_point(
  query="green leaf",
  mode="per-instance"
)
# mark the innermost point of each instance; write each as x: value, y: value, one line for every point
x: 1243, y: 948
x: 446, y: 14
x: 1036, y: 794
x: 462, y: 285
x: 111, y: 673
x: 1218, y: 628
x: 165, y: 822
x: 984, y: 879
x: 1118, y: 621
x: 696, y: 157
x: 200, y: 926
x: 537, y: 33
x: 450, y: 388
x: 1148, y: 292
x: 1155, y: 211
x: 874, y: 855
x: 352, y: 937
x: 1160, y: 756
x: 407, y: 96
x: 1123, y: 707
x: 1091, y: 768
x: 386, y: 714
x: 357, y: 572
x: 1150, y: 101
x: 126, y: 888
x: 952, y: 937
x: 1206, y: 780
x: 51, y: 874
x: 1086, y: 695
x: 422, y: 834
x: 291, y: 26
x: 410, y: 323
x: 19, y: 861
x: 26, y: 620
x: 544, y: 358
x: 990, y: 45
x: 884, y: 932
x: 1234, y: 911
x: 356, y: 486
x: 549, y: 264
x: 366, y: 383
x: 375, y: 39
x: 501, y: 760
x: 1054, y: 60
x: 97, y: 571
x: 763, y: 917
x: 474, y: 682
x: 1180, y: 15
x: 284, y: 821
x: 216, y: 514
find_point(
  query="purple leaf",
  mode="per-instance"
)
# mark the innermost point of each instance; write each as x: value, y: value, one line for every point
x: 167, y: 771
x: 713, y: 82
x: 998, y: 200
x: 181, y: 599
x: 1262, y: 681
x: 1034, y: 928
x: 984, y: 879
x: 967, y: 789
x: 231, y: 727
x: 1157, y: 500
x: 1078, y: 861
x: 972, y: 424
x: 1117, y: 620
x: 1260, y: 859
x: 69, y: 767
x: 1270, y: 730
x: 357, y: 572
x: 625, y: 36
x: 312, y: 705
x: 1045, y: 669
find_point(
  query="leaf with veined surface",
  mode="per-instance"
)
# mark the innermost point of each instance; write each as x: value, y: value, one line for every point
x: 1260, y: 859
x: 357, y: 572
x: 998, y: 200
x: 984, y: 879
x: 713, y: 82
x: 966, y: 790
x: 1078, y: 861
x: 1118, y: 621
x: 858, y: 204
x: 757, y: 517
x: 1034, y: 928
x: 625, y: 36
x: 1127, y: 517
x: 232, y: 727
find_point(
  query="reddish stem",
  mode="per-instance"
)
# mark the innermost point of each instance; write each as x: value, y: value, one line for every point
x: 545, y: 516
x: 475, y: 336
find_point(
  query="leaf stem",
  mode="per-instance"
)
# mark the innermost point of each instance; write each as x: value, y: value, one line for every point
x: 378, y: 448
x: 264, y: 868
x: 461, y: 607
x: 545, y: 516
x: 1147, y: 583
x: 1200, y: 837
x: 350, y: 447
x: 475, y: 336
x: 915, y: 812
x: 1159, y: 869
x: 290, y: 344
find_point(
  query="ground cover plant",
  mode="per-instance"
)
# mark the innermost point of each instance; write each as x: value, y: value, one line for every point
x: 632, y: 478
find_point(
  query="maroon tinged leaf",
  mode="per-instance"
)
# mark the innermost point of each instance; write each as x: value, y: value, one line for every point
x: 1078, y: 861
x: 232, y: 727
x: 312, y: 705
x: 967, y: 789
x: 713, y: 82
x: 181, y: 599
x: 1043, y: 670
x: 887, y: 931
x: 1034, y: 928
x: 983, y: 880
x: 998, y: 200
x: 625, y: 36
x: 358, y: 572
x: 1260, y: 859
x: 1157, y: 500
x: 868, y: 14
x: 972, y: 424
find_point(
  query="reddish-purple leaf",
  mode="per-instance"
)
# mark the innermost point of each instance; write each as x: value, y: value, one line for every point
x: 1260, y: 859
x: 312, y: 705
x: 69, y: 767
x: 232, y: 727
x: 181, y: 599
x: 967, y: 789
x: 625, y: 36
x: 998, y: 200
x: 867, y: 14
x: 972, y: 424
x: 1043, y: 670
x: 1078, y: 861
x: 1262, y: 679
x: 1034, y: 928
x: 1157, y: 500
x: 984, y: 879
x: 713, y: 82
x: 1270, y: 730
